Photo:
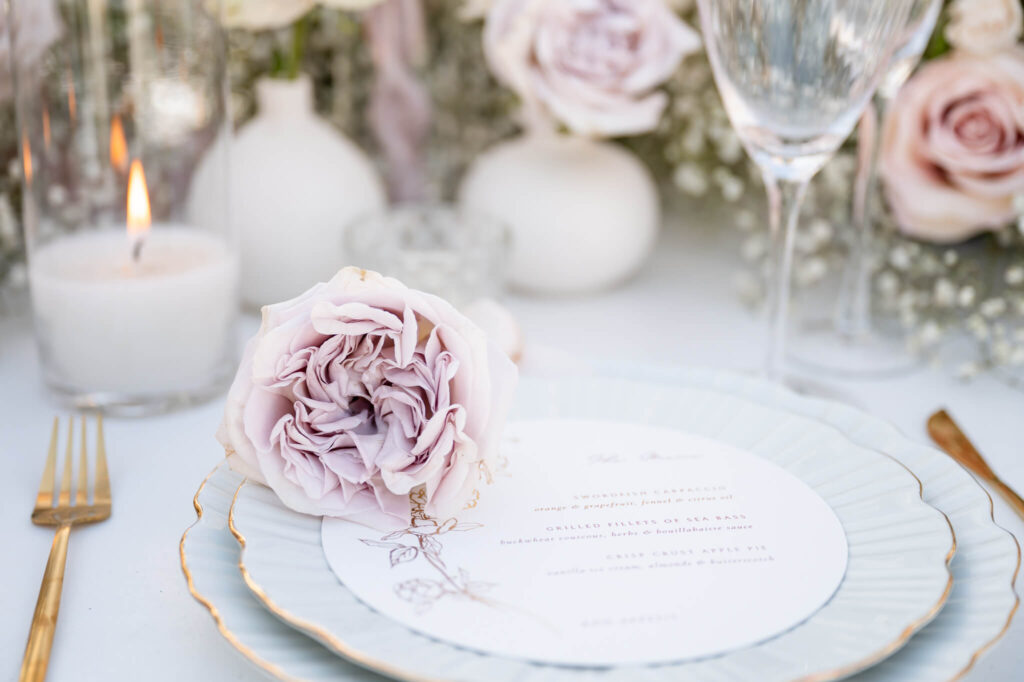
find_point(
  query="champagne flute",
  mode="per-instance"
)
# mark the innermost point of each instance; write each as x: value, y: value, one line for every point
x: 794, y: 76
x: 848, y: 346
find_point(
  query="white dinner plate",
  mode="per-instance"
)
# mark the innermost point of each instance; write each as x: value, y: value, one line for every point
x: 977, y: 613
x: 896, y: 581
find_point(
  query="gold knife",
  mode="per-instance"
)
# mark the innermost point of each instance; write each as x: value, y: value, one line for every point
x: 948, y: 436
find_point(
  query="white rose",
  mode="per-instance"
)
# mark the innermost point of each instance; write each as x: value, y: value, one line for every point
x: 984, y: 26
x: 471, y: 10
x: 351, y: 5
x: 258, y: 15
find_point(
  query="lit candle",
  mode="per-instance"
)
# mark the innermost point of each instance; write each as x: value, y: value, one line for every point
x: 147, y: 316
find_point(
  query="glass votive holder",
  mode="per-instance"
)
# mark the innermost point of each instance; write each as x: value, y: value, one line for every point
x: 443, y: 249
x: 134, y: 283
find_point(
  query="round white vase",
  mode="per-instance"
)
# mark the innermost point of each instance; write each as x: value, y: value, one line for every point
x: 583, y: 214
x: 296, y: 182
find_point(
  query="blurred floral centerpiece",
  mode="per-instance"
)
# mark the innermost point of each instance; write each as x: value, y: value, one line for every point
x: 585, y: 93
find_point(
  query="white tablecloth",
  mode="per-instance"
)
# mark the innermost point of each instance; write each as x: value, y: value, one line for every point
x: 126, y: 613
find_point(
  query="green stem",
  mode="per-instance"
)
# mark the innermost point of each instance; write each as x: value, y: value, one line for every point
x: 299, y: 31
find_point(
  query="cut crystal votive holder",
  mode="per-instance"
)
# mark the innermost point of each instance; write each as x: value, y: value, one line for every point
x: 443, y: 249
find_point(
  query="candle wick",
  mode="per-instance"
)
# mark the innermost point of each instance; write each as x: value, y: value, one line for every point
x: 136, y: 250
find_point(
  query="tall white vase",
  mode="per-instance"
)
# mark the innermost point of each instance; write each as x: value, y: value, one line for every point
x: 583, y: 214
x: 296, y: 182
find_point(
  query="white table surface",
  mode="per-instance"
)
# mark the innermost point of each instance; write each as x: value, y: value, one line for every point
x: 126, y: 613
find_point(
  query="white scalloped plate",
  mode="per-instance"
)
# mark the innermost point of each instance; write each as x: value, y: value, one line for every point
x: 209, y: 558
x: 977, y: 614
x: 896, y: 581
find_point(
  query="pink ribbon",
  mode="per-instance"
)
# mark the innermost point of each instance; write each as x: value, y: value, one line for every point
x: 400, y: 107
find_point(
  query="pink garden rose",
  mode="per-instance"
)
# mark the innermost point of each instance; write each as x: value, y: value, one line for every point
x: 952, y: 154
x: 360, y: 391
x: 592, y: 64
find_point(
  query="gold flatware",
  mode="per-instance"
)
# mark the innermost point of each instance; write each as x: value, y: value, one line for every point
x: 948, y: 436
x: 65, y: 513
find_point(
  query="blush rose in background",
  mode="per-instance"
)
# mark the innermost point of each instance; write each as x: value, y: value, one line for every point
x: 952, y: 157
x: 594, y: 67
x: 362, y: 390
x: 590, y: 64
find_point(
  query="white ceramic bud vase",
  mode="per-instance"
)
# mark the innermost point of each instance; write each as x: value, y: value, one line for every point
x: 296, y: 183
x: 583, y: 214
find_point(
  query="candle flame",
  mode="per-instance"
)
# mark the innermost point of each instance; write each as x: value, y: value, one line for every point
x: 26, y: 158
x: 139, y: 216
x: 118, y: 145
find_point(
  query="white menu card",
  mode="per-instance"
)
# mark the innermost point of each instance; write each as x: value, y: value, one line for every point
x: 602, y: 544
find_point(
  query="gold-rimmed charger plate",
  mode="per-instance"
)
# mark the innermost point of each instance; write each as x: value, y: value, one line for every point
x: 896, y: 581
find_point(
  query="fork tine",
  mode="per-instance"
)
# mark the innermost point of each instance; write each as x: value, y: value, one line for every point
x: 65, y: 480
x: 82, y: 488
x: 101, y: 495
x: 45, y: 496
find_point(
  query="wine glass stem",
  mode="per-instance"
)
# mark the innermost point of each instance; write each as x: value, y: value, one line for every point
x: 853, y: 308
x: 785, y: 197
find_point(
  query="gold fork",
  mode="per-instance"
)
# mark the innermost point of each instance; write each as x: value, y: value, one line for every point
x: 948, y: 435
x: 65, y: 514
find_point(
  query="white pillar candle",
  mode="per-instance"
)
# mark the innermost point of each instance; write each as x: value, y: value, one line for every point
x: 161, y: 324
